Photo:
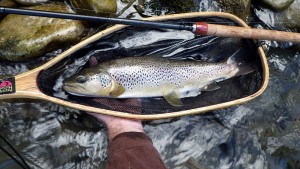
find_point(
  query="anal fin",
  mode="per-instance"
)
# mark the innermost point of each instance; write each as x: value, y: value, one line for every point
x: 211, y: 87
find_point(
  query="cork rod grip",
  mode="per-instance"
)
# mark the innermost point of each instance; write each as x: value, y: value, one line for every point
x: 203, y: 28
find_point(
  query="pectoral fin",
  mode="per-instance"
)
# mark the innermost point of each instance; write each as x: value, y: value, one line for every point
x: 119, y: 90
x: 211, y: 87
x: 173, y: 99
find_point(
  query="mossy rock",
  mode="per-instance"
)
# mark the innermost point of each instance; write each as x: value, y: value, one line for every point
x: 26, y: 37
x: 240, y: 8
x: 95, y: 7
x: 31, y: 2
x: 6, y: 3
x: 162, y: 7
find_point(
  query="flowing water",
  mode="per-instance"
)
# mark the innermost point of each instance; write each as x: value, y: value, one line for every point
x: 262, y: 133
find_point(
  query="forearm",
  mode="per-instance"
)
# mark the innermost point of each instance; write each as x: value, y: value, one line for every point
x: 133, y: 150
x: 129, y: 146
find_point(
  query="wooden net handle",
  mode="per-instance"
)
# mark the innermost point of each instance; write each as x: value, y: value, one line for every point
x: 203, y: 28
x: 25, y: 86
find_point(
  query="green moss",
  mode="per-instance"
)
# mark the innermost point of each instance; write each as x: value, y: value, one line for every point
x: 240, y: 8
x: 95, y: 7
x: 170, y: 6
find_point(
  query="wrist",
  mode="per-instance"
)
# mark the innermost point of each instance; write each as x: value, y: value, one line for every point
x: 117, y: 125
x: 123, y: 127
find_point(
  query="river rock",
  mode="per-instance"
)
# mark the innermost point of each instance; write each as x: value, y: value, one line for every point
x: 276, y: 5
x: 31, y: 2
x: 7, y: 3
x: 163, y: 7
x: 291, y: 16
x: 287, y: 19
x: 95, y: 7
x: 240, y: 8
x: 26, y: 37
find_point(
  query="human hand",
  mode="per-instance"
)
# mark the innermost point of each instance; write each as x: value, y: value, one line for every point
x: 117, y: 125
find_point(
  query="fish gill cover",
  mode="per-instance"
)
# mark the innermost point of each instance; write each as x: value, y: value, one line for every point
x: 136, y: 42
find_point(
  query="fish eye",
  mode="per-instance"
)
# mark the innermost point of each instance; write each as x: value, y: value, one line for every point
x: 81, y: 79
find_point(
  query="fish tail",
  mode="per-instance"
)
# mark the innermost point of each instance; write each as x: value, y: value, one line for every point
x: 245, y: 69
x: 238, y: 60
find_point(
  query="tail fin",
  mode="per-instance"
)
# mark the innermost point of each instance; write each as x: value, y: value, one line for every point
x: 240, y: 61
x: 245, y: 69
x: 237, y: 57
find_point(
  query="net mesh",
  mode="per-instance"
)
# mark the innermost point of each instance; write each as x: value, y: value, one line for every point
x: 132, y: 41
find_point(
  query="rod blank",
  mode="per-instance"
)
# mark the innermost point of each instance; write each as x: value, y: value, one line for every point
x: 199, y: 28
x: 131, y: 22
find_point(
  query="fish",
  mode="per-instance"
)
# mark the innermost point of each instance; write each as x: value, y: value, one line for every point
x: 149, y: 76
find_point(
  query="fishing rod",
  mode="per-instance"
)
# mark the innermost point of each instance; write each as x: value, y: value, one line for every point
x: 199, y: 28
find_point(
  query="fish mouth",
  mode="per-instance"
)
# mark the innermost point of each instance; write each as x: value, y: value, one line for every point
x: 76, y: 90
x: 66, y: 86
x: 71, y: 88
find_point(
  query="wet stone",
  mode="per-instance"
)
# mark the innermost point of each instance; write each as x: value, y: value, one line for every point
x: 277, y: 5
x: 162, y: 7
x: 291, y: 15
x: 26, y: 37
x: 240, y: 8
x: 287, y: 19
x: 31, y: 2
x: 95, y: 7
x: 6, y: 3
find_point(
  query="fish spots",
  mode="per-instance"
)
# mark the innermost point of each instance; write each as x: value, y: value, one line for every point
x: 152, y: 76
x: 129, y: 78
x: 146, y: 72
x: 105, y: 81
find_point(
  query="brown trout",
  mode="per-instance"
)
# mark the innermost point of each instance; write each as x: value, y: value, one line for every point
x: 141, y: 77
